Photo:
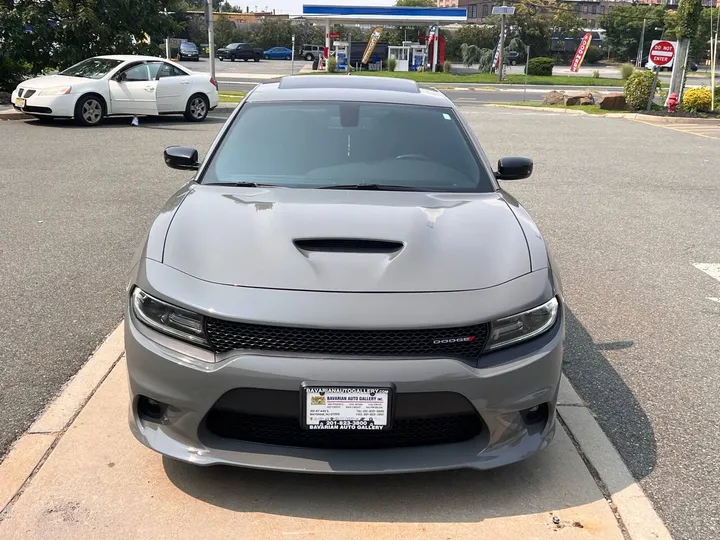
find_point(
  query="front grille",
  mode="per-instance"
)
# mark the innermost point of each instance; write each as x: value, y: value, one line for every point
x: 226, y: 336
x: 272, y: 417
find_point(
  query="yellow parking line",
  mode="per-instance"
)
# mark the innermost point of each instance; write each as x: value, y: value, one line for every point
x: 693, y: 129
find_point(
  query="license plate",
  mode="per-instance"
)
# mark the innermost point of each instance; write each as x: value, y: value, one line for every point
x: 333, y: 407
x: 19, y: 102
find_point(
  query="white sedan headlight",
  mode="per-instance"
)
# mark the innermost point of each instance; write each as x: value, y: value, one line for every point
x: 55, y: 91
x: 523, y: 326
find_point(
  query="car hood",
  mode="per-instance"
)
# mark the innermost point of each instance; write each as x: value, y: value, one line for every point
x: 48, y: 81
x: 391, y: 241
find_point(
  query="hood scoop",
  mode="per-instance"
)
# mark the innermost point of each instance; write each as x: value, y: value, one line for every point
x: 347, y: 245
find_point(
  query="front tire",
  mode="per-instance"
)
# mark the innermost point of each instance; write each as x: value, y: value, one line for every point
x: 89, y: 110
x: 257, y: 58
x: 197, y: 108
x: 288, y: 57
x: 267, y: 57
x: 309, y: 57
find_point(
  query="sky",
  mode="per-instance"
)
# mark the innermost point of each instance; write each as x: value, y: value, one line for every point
x: 294, y: 7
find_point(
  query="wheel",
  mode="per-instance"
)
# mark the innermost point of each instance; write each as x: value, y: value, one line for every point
x: 267, y: 57
x: 287, y: 57
x: 245, y: 59
x: 257, y: 58
x: 44, y: 119
x: 197, y: 108
x: 514, y: 62
x: 309, y: 57
x: 232, y: 58
x: 89, y: 110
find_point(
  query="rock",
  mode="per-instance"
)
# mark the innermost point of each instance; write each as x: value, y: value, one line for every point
x: 553, y: 98
x: 579, y: 98
x: 613, y: 102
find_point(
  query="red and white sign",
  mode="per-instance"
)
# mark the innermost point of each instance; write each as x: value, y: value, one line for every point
x: 580, y: 53
x: 662, y: 53
x: 334, y: 35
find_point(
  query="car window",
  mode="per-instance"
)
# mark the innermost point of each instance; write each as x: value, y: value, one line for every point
x: 325, y: 144
x: 92, y: 68
x: 137, y: 73
x: 232, y: 45
x: 160, y: 70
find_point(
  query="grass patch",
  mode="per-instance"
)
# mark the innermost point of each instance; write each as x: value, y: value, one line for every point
x: 488, y: 78
x: 590, y: 109
x: 231, y: 96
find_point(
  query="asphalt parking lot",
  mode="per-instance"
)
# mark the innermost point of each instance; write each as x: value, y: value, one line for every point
x: 629, y: 209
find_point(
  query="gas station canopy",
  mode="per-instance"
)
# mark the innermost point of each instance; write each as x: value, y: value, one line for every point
x: 383, y: 15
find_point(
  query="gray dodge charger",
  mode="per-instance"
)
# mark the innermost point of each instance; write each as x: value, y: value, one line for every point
x: 344, y: 287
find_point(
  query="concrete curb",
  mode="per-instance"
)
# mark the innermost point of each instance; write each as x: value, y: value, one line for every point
x: 12, y: 114
x: 631, y: 116
x: 633, y: 510
x: 28, y: 453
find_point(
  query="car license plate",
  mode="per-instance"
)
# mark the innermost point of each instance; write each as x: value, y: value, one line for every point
x: 332, y: 407
x: 19, y: 102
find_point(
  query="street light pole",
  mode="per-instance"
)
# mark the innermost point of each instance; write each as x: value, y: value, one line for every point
x: 292, y: 57
x: 502, y: 45
x: 211, y: 37
x: 638, y: 60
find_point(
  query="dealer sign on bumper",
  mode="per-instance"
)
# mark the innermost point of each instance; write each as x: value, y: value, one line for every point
x: 347, y: 408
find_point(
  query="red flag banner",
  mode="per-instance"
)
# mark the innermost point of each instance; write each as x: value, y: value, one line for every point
x: 580, y: 53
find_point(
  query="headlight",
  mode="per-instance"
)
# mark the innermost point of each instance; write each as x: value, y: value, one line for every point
x: 55, y: 91
x: 169, y: 319
x: 523, y: 326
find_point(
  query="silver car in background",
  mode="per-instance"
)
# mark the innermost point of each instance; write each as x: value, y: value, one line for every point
x: 343, y: 287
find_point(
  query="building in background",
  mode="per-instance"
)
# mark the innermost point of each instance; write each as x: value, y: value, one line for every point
x: 446, y: 3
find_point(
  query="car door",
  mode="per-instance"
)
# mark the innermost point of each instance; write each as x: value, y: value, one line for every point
x: 132, y: 91
x: 173, y: 87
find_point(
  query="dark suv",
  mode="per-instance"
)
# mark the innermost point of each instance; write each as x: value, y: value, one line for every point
x: 240, y: 51
x: 188, y: 51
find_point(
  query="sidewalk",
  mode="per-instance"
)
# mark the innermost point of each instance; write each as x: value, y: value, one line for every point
x: 79, y: 473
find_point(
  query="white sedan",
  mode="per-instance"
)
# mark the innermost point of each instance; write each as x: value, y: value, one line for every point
x: 118, y: 85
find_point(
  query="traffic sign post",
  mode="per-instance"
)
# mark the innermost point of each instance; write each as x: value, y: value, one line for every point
x: 662, y: 53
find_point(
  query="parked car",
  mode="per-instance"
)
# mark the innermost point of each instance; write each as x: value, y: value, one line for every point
x: 278, y: 53
x: 118, y: 85
x: 512, y: 58
x: 381, y: 306
x: 311, y: 52
x: 240, y: 51
x: 649, y: 65
x: 188, y: 51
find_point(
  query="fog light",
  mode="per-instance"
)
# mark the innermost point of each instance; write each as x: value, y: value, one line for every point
x: 151, y: 409
x: 536, y: 414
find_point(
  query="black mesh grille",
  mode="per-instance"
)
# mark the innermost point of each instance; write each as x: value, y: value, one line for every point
x: 405, y: 432
x: 226, y: 336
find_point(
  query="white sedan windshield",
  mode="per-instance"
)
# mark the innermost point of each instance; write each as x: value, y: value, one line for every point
x: 92, y: 68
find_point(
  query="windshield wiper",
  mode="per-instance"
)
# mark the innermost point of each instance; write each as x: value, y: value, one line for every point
x: 240, y: 184
x: 372, y: 187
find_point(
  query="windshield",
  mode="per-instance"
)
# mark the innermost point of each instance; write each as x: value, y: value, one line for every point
x: 92, y: 68
x: 326, y: 144
x: 190, y: 46
x: 232, y: 45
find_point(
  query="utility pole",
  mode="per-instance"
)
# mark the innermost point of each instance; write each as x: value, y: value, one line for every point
x: 292, y: 57
x: 638, y: 60
x: 211, y: 37
x: 502, y: 45
x: 713, y: 56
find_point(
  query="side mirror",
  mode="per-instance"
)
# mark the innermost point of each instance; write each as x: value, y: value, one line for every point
x: 181, y: 157
x: 120, y: 77
x: 514, y: 168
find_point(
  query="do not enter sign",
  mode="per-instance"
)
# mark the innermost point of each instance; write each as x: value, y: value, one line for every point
x: 662, y: 53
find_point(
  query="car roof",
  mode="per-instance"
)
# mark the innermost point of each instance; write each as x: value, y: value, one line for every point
x: 348, y: 88
x: 129, y: 57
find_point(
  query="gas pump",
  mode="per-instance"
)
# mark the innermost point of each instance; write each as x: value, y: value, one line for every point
x: 341, y: 54
x: 419, y: 57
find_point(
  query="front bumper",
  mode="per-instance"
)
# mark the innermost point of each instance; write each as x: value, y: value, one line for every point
x: 62, y: 106
x: 167, y: 371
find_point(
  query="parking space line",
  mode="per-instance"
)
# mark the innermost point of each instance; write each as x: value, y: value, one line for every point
x: 712, y: 270
x: 699, y: 130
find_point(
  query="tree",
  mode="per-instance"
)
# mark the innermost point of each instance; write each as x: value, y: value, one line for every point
x: 688, y: 17
x: 225, y: 31
x: 415, y: 3
x: 225, y: 7
x: 623, y: 27
x: 538, y: 20
x: 699, y: 42
x: 273, y: 32
x: 482, y: 36
x: 43, y: 34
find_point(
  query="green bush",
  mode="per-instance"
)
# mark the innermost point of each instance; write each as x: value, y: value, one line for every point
x: 626, y: 70
x: 332, y: 65
x: 540, y: 66
x: 392, y: 64
x: 447, y: 66
x: 638, y: 88
x: 697, y: 99
x: 593, y: 54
